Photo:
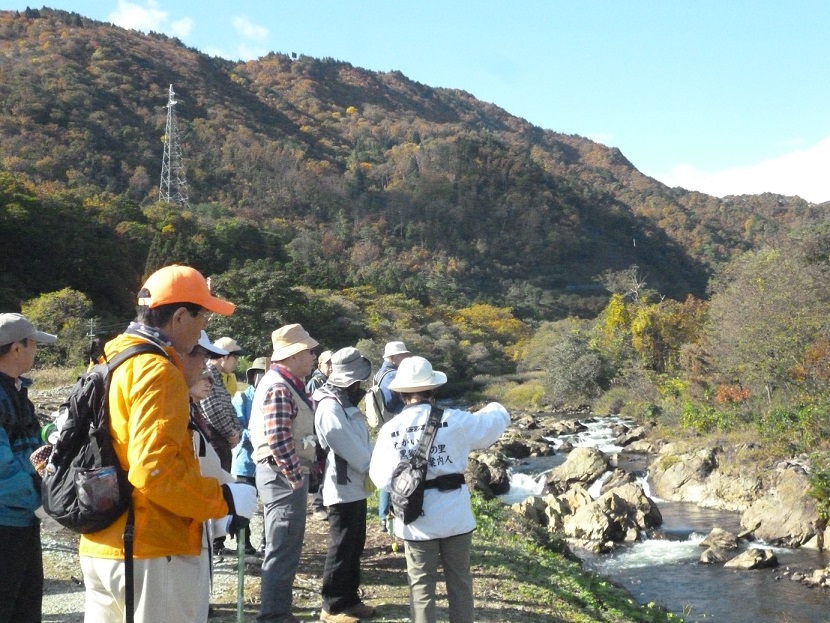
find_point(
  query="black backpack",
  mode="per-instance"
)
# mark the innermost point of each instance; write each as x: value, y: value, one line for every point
x: 84, y: 486
x: 406, y: 491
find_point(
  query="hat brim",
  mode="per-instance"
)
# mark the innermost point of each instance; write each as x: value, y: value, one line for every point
x: 436, y: 380
x: 212, y: 349
x: 292, y: 349
x: 362, y: 371
x: 43, y: 338
x: 218, y: 306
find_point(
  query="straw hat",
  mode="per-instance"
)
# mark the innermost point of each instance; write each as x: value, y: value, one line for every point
x: 290, y: 340
x: 415, y: 374
x: 348, y: 366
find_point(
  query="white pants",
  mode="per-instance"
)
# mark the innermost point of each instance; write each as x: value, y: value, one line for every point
x: 166, y: 589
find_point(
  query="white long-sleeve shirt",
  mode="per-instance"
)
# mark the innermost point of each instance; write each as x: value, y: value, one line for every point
x: 445, y: 513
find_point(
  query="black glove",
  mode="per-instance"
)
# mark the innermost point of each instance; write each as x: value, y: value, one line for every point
x: 236, y: 523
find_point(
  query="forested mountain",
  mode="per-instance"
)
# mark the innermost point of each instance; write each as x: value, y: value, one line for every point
x: 354, y: 177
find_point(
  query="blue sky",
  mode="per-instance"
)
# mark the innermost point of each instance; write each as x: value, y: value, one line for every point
x: 725, y: 97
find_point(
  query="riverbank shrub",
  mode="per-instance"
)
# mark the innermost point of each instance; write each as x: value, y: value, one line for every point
x: 703, y: 418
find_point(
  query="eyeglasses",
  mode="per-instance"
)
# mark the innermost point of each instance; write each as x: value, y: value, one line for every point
x: 202, y: 313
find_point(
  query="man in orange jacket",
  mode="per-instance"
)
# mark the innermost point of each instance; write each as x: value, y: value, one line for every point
x: 149, y: 412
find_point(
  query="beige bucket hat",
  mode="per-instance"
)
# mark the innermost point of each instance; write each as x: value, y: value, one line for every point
x: 290, y: 340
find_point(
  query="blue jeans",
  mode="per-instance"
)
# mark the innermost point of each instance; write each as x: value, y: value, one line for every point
x: 383, y: 505
x: 285, y: 515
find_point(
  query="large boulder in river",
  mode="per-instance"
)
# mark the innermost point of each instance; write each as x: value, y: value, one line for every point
x: 713, y: 555
x: 695, y: 477
x: 753, y: 558
x: 583, y: 465
x: 785, y: 514
x: 681, y: 477
x: 619, y: 515
x: 488, y: 474
x: 720, y: 539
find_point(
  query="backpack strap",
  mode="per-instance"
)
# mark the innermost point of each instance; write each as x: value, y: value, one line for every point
x: 132, y: 351
x: 430, y: 429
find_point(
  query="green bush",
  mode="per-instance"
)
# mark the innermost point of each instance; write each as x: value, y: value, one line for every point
x: 612, y: 402
x: 529, y: 395
x: 803, y: 427
x: 820, y: 482
x: 706, y: 419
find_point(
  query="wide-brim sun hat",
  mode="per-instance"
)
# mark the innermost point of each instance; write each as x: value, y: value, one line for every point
x: 229, y: 344
x: 395, y: 348
x: 15, y: 327
x: 182, y: 284
x: 290, y: 340
x: 349, y: 366
x: 260, y: 364
x: 415, y: 374
x: 212, y: 349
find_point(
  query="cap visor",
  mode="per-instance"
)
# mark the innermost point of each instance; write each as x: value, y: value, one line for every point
x: 218, y: 306
x: 44, y: 338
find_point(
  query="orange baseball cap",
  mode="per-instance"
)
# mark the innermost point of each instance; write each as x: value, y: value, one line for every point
x: 182, y: 284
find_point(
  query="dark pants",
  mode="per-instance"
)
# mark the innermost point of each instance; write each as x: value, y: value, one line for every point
x: 341, y: 575
x: 21, y: 574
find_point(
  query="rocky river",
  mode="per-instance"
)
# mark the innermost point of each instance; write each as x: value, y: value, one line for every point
x: 677, y: 525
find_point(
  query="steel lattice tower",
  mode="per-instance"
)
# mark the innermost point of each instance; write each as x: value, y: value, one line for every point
x: 173, y: 186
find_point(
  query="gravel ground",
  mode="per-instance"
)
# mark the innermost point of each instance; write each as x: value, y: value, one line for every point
x: 63, y: 592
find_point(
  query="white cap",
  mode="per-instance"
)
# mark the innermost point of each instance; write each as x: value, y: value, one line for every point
x: 204, y: 342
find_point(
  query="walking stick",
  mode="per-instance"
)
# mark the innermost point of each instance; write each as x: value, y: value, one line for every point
x: 240, y: 585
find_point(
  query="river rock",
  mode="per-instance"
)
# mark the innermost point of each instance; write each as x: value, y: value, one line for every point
x: 630, y: 436
x: 682, y: 477
x: 583, y: 465
x: 488, y: 474
x: 618, y: 515
x: 643, y: 446
x: 714, y: 555
x: 695, y: 477
x: 525, y: 422
x: 785, y: 515
x: 720, y: 539
x: 753, y: 558
x: 565, y: 427
x: 618, y: 478
x: 532, y: 508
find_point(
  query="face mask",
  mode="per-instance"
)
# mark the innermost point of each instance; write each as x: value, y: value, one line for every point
x: 356, y: 393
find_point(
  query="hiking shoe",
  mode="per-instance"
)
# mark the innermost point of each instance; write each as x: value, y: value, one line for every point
x: 360, y: 611
x: 340, y: 617
x: 321, y: 514
x: 250, y: 550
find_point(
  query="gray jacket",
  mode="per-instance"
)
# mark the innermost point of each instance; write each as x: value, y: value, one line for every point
x: 344, y: 435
